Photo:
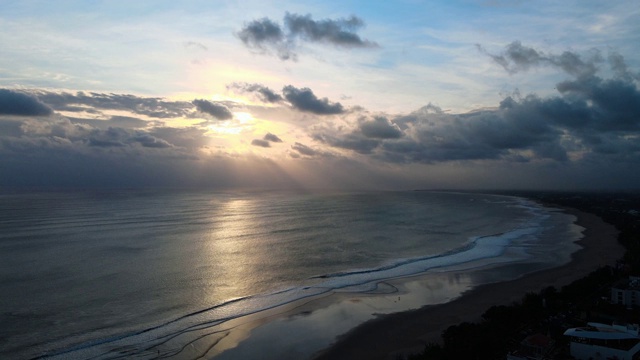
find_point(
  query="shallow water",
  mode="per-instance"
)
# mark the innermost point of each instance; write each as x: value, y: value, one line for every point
x: 116, y: 273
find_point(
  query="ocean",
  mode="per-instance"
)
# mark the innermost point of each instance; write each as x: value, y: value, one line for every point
x: 148, y: 273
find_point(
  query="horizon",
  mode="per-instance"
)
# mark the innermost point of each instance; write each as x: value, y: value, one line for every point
x: 464, y: 95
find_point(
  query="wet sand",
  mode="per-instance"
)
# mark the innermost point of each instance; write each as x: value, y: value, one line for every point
x: 408, y: 332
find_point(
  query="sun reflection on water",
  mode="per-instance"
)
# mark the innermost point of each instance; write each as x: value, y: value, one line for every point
x: 230, y: 246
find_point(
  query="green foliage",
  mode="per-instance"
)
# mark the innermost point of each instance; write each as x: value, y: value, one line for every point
x: 500, y: 328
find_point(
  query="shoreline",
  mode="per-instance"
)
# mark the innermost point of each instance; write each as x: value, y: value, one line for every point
x: 408, y: 332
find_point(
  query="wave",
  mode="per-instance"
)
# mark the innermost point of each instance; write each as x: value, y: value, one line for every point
x: 479, y: 248
x: 186, y: 329
x: 139, y: 342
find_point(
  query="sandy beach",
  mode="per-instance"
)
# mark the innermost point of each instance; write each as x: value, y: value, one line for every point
x: 393, y: 319
x: 407, y: 332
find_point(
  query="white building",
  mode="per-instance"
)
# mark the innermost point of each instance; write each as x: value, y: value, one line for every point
x: 600, y: 341
x: 627, y: 292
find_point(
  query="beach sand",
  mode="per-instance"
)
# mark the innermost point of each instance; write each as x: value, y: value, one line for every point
x: 393, y: 319
x: 408, y: 332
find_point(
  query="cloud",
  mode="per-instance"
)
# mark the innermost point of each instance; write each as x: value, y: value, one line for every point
x: 218, y: 111
x: 105, y: 143
x: 195, y: 45
x: 265, y: 93
x: 304, y: 149
x: 273, y: 138
x: 305, y: 100
x: 124, y: 159
x: 55, y: 151
x: 504, y: 134
x: 115, y: 121
x: 619, y: 67
x: 111, y: 137
x: 302, y: 99
x: 81, y: 138
x: 517, y: 58
x: 380, y: 128
x: 150, y: 141
x: 21, y: 104
x: 351, y: 141
x: 93, y: 102
x: 10, y: 128
x: 55, y: 127
x: 266, y: 140
x: 591, y: 123
x: 589, y: 120
x: 189, y: 138
x: 266, y: 36
x: 261, y: 143
x: 367, y: 135
x: 339, y: 32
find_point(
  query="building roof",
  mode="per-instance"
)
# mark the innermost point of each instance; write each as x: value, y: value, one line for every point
x: 600, y: 331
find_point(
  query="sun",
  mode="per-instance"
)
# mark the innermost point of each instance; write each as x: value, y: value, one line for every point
x: 243, y: 117
x: 241, y: 121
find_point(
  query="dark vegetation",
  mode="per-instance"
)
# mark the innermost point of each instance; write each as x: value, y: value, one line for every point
x: 552, y: 311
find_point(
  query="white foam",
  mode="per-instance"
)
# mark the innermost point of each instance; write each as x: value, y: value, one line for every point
x: 478, y: 251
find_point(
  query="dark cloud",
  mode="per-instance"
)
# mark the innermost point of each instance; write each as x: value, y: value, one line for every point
x: 590, y: 127
x: 266, y: 36
x: 105, y: 143
x: 216, y: 110
x: 261, y: 143
x: 56, y: 152
x: 352, y: 141
x: 83, y: 137
x: 518, y: 57
x: 364, y: 139
x: 189, y: 138
x: 111, y: 137
x: 590, y: 118
x: 123, y: 160
x: 58, y: 128
x: 265, y: 93
x: 260, y: 31
x: 150, y: 141
x: 619, y: 67
x: 10, y: 127
x: 380, y: 128
x: 573, y: 64
x: 600, y: 105
x: 305, y: 100
x: 339, y: 32
x: 273, y: 138
x: 92, y: 102
x: 304, y: 149
x: 302, y: 99
x: 115, y: 121
x: 482, y: 135
x: 21, y: 104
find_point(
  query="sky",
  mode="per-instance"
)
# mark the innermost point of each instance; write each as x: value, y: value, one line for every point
x: 455, y: 94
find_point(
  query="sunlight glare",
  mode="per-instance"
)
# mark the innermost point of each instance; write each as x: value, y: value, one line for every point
x: 241, y: 121
x: 225, y: 127
x: 243, y: 117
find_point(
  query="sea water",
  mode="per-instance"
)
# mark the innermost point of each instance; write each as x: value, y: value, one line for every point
x: 110, y: 274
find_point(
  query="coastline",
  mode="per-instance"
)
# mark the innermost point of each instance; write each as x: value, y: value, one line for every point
x: 408, y: 332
